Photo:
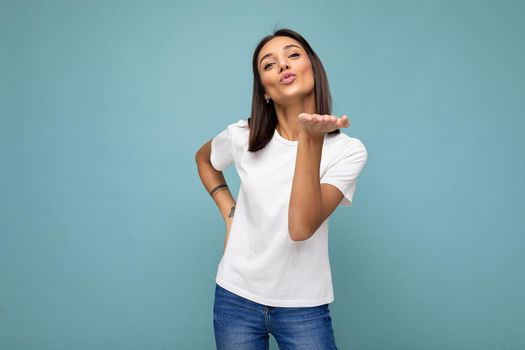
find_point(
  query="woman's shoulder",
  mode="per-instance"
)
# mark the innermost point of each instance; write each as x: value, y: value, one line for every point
x: 239, y: 133
x: 345, y: 148
x: 238, y: 126
x: 242, y: 123
x: 344, y: 140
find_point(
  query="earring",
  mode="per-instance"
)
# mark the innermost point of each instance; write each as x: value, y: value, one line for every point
x: 267, y: 100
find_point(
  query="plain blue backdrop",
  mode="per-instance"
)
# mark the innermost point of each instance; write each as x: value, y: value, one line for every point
x: 110, y: 241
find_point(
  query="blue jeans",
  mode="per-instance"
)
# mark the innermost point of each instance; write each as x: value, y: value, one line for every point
x: 241, y: 324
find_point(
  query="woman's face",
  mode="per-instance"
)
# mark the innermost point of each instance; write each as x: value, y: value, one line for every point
x: 280, y: 57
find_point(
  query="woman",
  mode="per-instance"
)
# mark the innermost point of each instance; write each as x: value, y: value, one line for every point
x: 295, y: 168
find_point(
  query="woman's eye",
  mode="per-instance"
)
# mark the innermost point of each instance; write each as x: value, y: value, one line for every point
x: 269, y: 64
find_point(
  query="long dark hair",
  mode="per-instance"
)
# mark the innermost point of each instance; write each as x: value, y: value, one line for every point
x: 263, y: 119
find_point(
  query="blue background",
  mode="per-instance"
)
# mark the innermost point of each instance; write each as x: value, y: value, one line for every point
x: 110, y: 241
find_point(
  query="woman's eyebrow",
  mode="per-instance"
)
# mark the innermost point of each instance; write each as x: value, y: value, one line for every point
x: 284, y: 48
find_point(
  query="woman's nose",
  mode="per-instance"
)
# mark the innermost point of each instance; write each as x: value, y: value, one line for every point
x: 283, y: 65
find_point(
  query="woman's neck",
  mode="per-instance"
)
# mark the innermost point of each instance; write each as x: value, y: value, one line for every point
x: 288, y: 125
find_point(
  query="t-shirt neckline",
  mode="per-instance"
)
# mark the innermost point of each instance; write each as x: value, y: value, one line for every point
x: 283, y: 140
x: 286, y: 141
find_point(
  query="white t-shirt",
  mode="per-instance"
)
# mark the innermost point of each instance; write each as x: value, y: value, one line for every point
x: 261, y: 262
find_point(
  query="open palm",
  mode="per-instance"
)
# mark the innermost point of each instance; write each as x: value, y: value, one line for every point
x: 318, y: 125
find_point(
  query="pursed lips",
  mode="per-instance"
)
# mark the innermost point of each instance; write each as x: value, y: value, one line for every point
x: 287, y: 77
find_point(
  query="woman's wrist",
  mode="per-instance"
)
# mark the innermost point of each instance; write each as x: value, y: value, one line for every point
x: 305, y: 135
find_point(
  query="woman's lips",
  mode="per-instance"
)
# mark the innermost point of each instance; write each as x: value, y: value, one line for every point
x: 288, y: 80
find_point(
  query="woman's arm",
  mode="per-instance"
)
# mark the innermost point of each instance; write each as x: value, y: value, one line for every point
x: 211, y: 178
x: 310, y: 202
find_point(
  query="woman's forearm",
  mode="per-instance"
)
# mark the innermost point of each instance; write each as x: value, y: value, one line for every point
x: 211, y: 178
x: 305, y: 209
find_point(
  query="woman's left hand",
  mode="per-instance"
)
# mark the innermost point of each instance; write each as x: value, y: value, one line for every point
x: 317, y: 125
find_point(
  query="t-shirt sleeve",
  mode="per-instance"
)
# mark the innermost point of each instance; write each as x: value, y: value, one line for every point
x: 222, y: 150
x: 345, y: 168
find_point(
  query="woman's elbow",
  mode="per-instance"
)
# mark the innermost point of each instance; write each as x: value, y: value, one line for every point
x: 201, y: 156
x: 299, y: 233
